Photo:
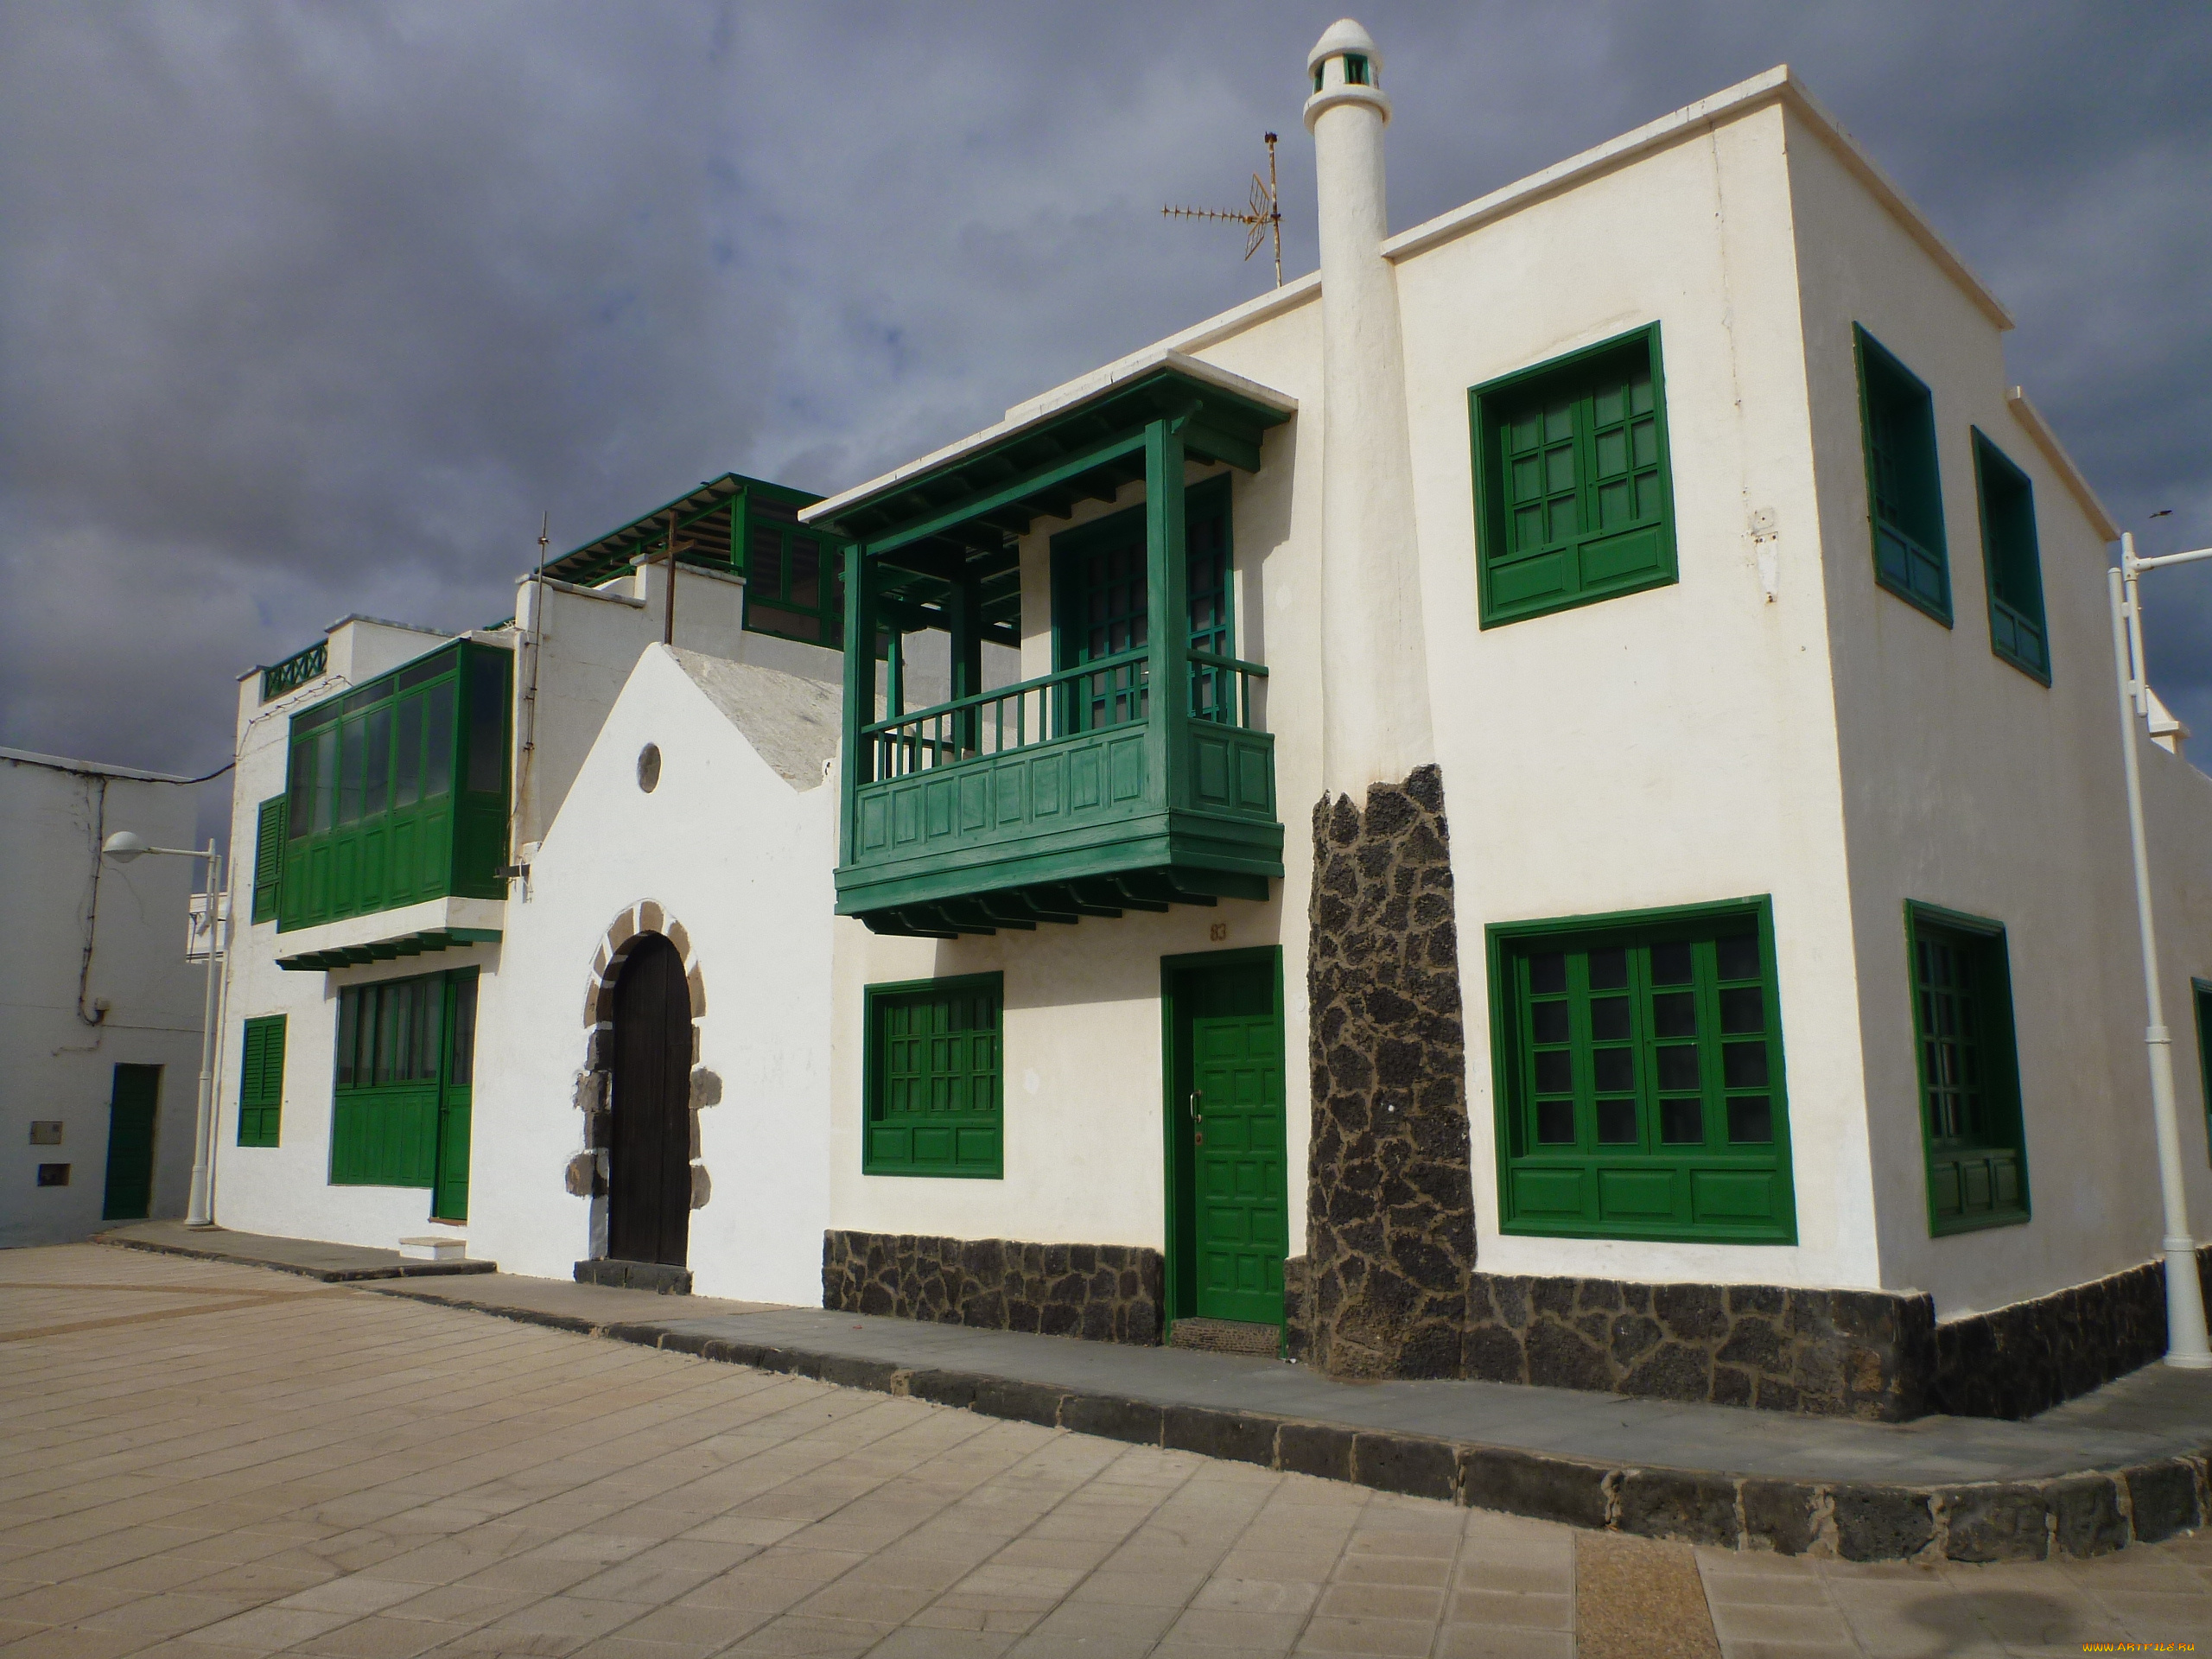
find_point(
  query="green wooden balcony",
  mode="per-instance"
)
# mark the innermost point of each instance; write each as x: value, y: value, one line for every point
x: 395, y: 792
x: 1135, y: 774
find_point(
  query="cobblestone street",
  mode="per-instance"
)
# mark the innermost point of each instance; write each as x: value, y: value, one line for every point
x: 203, y: 1459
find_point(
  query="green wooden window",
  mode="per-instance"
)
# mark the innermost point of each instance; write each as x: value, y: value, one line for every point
x: 269, y: 822
x: 1639, y: 1073
x: 933, y: 1078
x: 1969, y: 1070
x: 403, y: 1045
x: 1573, y: 501
x: 794, y: 579
x: 1102, y: 609
x: 2009, y: 555
x: 1905, y: 491
x: 261, y: 1081
x: 398, y: 790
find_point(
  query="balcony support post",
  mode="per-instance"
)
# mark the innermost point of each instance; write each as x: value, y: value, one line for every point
x: 1168, y: 596
x: 860, y: 691
x: 964, y: 610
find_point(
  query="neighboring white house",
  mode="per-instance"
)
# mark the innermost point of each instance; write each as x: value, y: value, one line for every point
x: 99, y: 1010
x: 1610, y: 685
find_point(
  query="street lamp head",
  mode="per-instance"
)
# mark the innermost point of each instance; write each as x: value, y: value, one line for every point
x: 123, y: 847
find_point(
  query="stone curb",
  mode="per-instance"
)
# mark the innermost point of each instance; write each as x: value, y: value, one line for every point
x: 325, y: 1275
x: 2090, y: 1513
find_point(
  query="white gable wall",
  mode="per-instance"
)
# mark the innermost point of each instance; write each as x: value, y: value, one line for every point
x: 743, y: 860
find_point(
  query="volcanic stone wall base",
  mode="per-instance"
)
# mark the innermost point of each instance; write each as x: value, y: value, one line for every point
x: 2076, y: 1515
x: 635, y: 1276
x: 1878, y: 1356
x: 1105, y: 1293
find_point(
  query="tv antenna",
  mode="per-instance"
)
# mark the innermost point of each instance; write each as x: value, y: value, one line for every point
x: 1262, y: 214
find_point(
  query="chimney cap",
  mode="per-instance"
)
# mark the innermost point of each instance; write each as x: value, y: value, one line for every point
x: 1343, y: 35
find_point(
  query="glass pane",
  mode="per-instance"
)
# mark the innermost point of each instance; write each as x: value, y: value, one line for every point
x: 1547, y: 1022
x: 1608, y: 970
x: 407, y: 762
x: 1673, y: 1013
x: 1682, y: 1123
x: 389, y: 1017
x: 325, y: 778
x: 1612, y: 452
x: 1670, y: 964
x: 1743, y: 1065
x: 1750, y: 1120
x: 350, y: 757
x: 1613, y: 1071
x: 437, y: 758
x: 1554, y: 1071
x: 1678, y: 1066
x: 1555, y: 1123
x: 1610, y: 406
x: 302, y: 790
x: 1559, y: 469
x: 806, y: 572
x: 487, y: 719
x: 1617, y: 1122
x: 1558, y: 422
x: 1743, y: 1008
x: 349, y: 1011
x: 1608, y: 1019
x: 1738, y: 958
x: 1547, y: 973
x: 764, y: 565
x: 376, y: 789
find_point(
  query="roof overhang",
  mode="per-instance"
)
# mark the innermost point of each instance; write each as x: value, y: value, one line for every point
x: 706, y: 523
x: 406, y: 944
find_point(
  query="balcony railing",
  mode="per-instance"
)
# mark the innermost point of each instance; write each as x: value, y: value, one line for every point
x: 1088, y: 697
x: 295, y: 670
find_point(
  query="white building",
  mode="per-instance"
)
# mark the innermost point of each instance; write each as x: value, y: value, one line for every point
x: 100, y: 1011
x: 1705, y: 918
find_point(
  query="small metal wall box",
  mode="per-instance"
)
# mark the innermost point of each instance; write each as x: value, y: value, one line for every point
x: 45, y: 1132
x: 53, y: 1174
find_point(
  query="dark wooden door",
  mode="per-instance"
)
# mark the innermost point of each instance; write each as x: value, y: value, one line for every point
x: 129, y: 1192
x: 649, y: 1200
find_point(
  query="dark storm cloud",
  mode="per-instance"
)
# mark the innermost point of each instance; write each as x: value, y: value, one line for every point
x: 308, y: 310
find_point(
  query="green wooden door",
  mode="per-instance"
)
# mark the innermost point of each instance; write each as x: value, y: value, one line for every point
x: 1226, y: 1014
x: 130, y: 1193
x: 449, y: 1189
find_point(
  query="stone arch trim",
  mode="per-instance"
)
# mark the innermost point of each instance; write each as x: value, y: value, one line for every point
x: 586, y: 1174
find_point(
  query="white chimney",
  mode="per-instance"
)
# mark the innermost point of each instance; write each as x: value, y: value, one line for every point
x: 1374, y: 667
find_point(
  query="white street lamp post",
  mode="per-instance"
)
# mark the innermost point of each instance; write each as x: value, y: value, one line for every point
x: 123, y: 847
x: 2185, y: 1336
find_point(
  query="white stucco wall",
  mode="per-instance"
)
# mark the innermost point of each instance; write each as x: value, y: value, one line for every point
x: 1970, y: 785
x: 66, y: 1022
x: 743, y: 860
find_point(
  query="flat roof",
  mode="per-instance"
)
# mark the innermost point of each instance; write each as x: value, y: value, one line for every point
x: 91, y: 768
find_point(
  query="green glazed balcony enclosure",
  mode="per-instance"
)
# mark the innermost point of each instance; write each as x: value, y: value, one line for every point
x: 395, y: 792
x: 1085, y: 791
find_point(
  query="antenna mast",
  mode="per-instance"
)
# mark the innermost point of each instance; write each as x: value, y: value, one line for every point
x: 1261, y: 217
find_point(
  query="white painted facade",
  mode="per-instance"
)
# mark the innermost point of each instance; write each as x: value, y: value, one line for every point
x: 1771, y: 723
x: 95, y: 977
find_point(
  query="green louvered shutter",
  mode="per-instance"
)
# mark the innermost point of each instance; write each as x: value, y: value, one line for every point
x: 267, y: 858
x: 261, y: 1081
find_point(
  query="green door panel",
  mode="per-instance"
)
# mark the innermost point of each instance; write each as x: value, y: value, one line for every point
x: 129, y: 1192
x: 1228, y: 1127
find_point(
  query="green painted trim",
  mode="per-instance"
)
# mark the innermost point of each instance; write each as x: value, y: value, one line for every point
x: 872, y: 1061
x: 1006, y: 495
x: 2002, y: 1050
x: 1865, y: 349
x: 2203, y: 1000
x: 1988, y: 459
x: 1490, y: 531
x: 403, y: 945
x: 1587, y: 929
x: 1175, y: 1160
x: 265, y: 1127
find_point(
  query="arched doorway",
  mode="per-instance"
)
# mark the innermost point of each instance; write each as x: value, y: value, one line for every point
x: 649, y: 1178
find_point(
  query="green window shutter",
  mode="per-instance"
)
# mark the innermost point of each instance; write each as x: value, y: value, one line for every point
x: 1969, y: 1070
x: 268, y: 857
x: 2012, y: 560
x: 261, y: 1081
x: 1904, y: 494
x: 1574, y: 502
x: 934, y: 1084
x: 1640, y: 1077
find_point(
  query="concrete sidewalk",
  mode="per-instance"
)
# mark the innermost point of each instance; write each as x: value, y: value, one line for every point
x: 2128, y: 1463
x: 311, y: 1258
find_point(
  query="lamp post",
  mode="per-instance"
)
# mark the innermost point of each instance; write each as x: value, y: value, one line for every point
x: 123, y: 847
x: 2185, y: 1335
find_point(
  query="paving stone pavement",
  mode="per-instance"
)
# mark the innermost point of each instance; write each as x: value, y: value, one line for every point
x: 201, y: 1459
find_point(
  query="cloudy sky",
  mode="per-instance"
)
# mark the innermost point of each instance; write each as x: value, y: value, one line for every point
x: 312, y: 308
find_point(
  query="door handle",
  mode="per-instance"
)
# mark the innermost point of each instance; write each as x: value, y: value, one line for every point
x: 1197, y: 1102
